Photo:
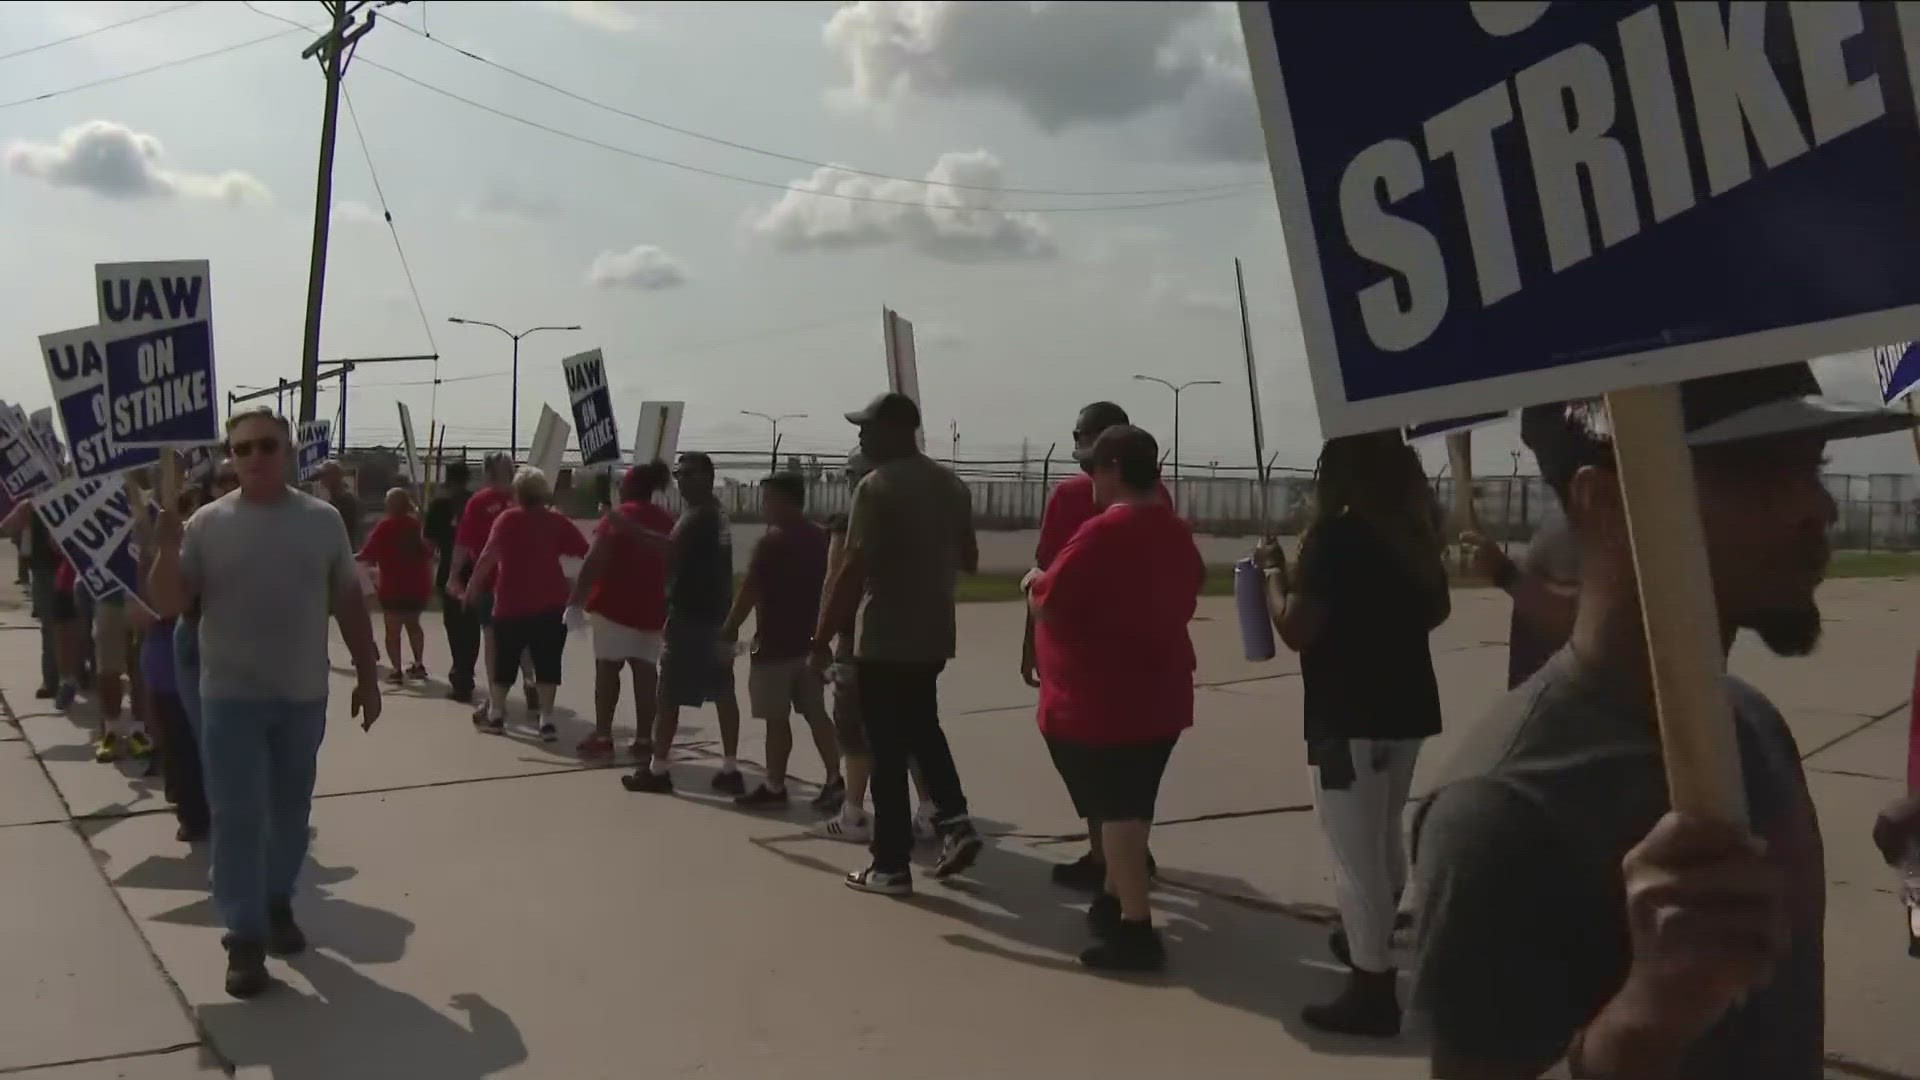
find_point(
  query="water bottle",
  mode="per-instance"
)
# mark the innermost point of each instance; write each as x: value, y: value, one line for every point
x: 1250, y: 601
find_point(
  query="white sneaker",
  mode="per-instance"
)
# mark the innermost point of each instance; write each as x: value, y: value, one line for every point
x: 837, y: 828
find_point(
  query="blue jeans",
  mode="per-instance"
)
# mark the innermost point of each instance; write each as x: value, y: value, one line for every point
x: 186, y: 668
x: 260, y: 758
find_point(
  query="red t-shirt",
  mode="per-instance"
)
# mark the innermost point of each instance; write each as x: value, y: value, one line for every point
x: 789, y: 569
x: 64, y: 576
x: 527, y: 546
x: 1069, y: 507
x: 1116, y: 664
x: 632, y: 588
x: 396, y: 547
x: 476, y: 523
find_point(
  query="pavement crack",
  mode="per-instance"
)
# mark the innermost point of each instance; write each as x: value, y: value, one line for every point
x: 1838, y: 739
x: 128, y: 1055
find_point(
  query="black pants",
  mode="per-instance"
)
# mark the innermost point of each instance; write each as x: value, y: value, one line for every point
x: 541, y: 637
x: 180, y: 763
x: 463, y: 641
x: 900, y: 709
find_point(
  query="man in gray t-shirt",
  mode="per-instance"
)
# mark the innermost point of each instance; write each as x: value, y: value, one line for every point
x: 1566, y: 915
x: 266, y: 565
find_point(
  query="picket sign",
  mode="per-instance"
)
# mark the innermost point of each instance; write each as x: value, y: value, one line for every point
x: 592, y: 402
x: 1553, y: 200
x: 77, y: 373
x: 549, y: 443
x: 406, y: 440
x: 657, y: 435
x: 160, y: 383
x: 92, y: 522
x: 903, y: 365
x: 316, y: 445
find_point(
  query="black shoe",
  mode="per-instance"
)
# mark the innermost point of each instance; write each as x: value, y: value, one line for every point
x: 730, y: 782
x: 461, y: 694
x: 43, y: 693
x: 832, y: 797
x: 549, y: 733
x: 762, y: 798
x: 1084, y: 874
x: 959, y: 850
x: 190, y: 833
x: 1132, y: 947
x: 1103, y: 916
x: 1368, y: 1007
x: 283, y: 934
x: 246, y: 969
x: 646, y: 780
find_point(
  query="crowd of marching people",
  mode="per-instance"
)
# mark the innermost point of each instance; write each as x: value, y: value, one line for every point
x: 1563, y: 916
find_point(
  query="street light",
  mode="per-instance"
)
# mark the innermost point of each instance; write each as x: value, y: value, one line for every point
x: 773, y: 462
x: 1177, y: 492
x: 513, y: 426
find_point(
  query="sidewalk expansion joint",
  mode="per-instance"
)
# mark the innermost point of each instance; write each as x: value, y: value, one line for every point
x: 129, y: 1055
x: 1871, y: 719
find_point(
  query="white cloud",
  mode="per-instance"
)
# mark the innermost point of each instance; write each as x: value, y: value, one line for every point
x: 1059, y: 63
x: 509, y: 208
x: 117, y: 162
x: 643, y: 266
x: 613, y: 16
x: 958, y: 224
x: 354, y: 212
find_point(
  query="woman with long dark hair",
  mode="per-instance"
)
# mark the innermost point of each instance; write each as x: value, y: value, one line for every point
x: 1369, y: 586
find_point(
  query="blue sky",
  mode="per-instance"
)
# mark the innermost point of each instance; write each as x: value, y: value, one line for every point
x: 730, y: 293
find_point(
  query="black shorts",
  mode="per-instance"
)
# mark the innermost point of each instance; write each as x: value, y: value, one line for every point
x: 542, y: 636
x: 692, y: 671
x: 1112, y: 783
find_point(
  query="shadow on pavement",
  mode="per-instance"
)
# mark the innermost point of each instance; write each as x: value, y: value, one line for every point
x: 1227, y: 953
x: 353, y: 1026
x: 361, y: 934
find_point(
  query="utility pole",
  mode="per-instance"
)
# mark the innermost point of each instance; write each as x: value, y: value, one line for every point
x: 513, y: 423
x: 333, y: 49
x: 953, y: 451
x: 773, y: 461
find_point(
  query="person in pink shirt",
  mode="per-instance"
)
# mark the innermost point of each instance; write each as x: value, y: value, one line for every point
x: 521, y: 565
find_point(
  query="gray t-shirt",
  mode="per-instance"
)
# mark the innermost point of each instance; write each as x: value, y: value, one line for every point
x: 266, y: 575
x: 1553, y: 557
x: 1523, y: 932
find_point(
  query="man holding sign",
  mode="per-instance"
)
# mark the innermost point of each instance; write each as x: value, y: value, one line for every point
x: 265, y: 565
x: 1713, y: 967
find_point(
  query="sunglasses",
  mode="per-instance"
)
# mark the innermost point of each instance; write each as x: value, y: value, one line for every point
x: 249, y: 447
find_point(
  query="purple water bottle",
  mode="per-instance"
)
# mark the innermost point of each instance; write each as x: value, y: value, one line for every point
x: 1250, y: 601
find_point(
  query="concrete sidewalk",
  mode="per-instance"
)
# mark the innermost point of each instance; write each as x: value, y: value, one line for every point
x: 487, y: 907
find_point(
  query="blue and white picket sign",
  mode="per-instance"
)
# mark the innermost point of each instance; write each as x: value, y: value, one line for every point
x: 77, y: 373
x: 23, y: 469
x: 316, y: 446
x: 1455, y: 426
x: 92, y: 521
x: 592, y: 403
x: 1898, y: 367
x: 1493, y: 204
x: 160, y: 374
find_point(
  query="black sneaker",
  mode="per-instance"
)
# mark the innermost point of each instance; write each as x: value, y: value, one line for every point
x: 549, y: 733
x: 762, y: 798
x: 246, y: 969
x: 461, y: 694
x: 191, y: 832
x: 959, y: 850
x: 283, y: 934
x: 1103, y: 916
x: 1084, y: 874
x: 831, y: 797
x: 730, y: 782
x: 43, y: 693
x: 1132, y: 947
x: 881, y: 882
x: 646, y: 780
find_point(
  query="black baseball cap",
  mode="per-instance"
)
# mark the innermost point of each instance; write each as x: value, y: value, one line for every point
x: 888, y: 408
x: 1718, y: 410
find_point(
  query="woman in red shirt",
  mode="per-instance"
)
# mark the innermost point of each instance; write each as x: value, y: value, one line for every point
x: 1110, y: 631
x: 521, y: 563
x: 398, y: 551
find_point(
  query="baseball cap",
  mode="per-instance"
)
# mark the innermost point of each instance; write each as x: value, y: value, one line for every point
x: 1093, y: 420
x: 1717, y: 410
x: 697, y: 459
x: 888, y: 408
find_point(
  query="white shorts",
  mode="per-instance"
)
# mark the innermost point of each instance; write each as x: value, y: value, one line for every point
x: 614, y: 642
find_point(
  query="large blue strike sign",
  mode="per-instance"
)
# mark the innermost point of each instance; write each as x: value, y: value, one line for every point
x: 1492, y: 204
x: 160, y: 388
x: 77, y: 372
x: 92, y: 521
x: 592, y: 408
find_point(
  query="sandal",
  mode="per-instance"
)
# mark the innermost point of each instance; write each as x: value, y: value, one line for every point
x: 595, y: 746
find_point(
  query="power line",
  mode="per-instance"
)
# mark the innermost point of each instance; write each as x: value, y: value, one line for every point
x: 381, y: 194
x: 731, y: 144
x: 208, y: 55
x: 776, y: 185
x: 98, y: 30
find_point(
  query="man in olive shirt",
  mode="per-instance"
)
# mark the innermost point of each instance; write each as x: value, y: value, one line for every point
x: 910, y: 532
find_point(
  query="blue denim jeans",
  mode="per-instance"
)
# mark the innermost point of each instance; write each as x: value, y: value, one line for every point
x: 186, y: 668
x: 260, y: 758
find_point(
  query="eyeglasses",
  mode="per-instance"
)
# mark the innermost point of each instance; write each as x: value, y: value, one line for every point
x: 249, y: 447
